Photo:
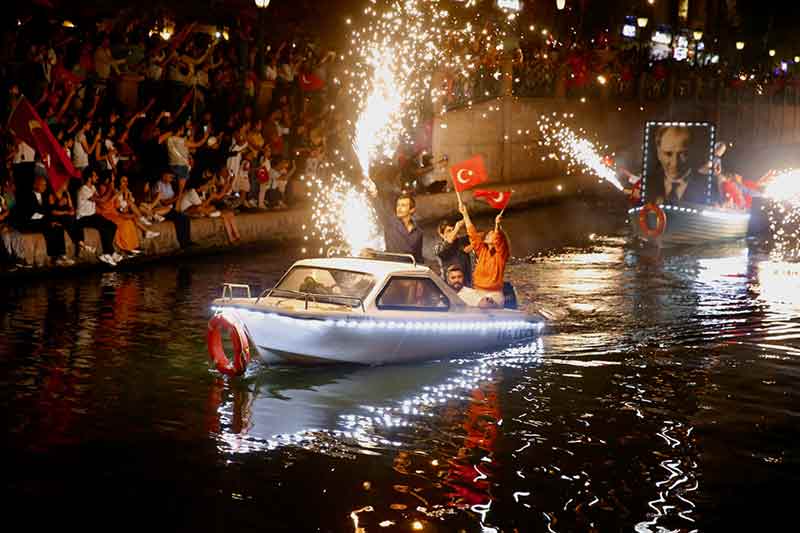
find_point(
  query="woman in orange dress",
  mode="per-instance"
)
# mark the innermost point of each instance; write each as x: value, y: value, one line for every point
x: 127, y: 237
x: 492, y: 250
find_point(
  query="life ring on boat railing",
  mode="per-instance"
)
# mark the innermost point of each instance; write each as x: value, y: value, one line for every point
x: 241, y: 347
x: 661, y: 220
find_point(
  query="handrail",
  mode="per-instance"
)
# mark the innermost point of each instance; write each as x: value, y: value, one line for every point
x: 228, y: 288
x: 370, y: 253
x: 314, y: 297
x: 377, y: 254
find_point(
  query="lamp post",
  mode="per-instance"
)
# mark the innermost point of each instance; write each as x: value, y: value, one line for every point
x: 641, y: 22
x: 262, y: 6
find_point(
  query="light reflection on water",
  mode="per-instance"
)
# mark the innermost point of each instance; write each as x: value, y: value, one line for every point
x: 661, y: 395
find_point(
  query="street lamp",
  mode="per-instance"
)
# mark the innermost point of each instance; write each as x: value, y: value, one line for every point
x: 262, y: 6
x: 642, y: 22
x: 772, y: 52
x: 697, y: 34
x: 560, y: 4
x: 740, y: 45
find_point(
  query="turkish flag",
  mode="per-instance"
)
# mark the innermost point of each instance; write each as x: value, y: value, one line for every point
x: 27, y: 126
x: 496, y: 199
x: 311, y: 82
x: 469, y: 173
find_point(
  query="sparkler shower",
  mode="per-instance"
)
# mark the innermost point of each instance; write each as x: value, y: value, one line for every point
x: 392, y: 59
x: 574, y: 148
x: 783, y: 189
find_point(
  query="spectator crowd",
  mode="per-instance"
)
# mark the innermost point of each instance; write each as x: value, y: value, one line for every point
x: 204, y: 142
x: 612, y: 67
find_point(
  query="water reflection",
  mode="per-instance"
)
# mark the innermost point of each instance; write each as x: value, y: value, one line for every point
x: 664, y: 389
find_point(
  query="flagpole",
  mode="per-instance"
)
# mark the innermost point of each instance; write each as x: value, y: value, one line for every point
x: 458, y: 193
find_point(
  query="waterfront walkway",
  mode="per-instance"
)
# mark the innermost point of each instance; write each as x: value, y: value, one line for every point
x: 286, y: 225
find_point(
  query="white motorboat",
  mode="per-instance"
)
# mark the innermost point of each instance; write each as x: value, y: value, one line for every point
x: 367, y: 310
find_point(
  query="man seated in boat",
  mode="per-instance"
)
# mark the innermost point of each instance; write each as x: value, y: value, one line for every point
x: 416, y: 293
x: 492, y: 250
x: 678, y: 180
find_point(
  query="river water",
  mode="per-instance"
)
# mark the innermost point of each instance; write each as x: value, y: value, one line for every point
x: 662, y: 397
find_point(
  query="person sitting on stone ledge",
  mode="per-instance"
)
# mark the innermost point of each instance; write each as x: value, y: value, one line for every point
x: 33, y: 216
x: 88, y: 217
x: 12, y: 239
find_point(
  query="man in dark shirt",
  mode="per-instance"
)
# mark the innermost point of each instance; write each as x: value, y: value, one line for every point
x: 401, y: 233
x: 33, y: 216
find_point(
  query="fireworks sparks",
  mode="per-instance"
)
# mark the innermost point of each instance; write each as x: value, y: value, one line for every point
x: 343, y: 215
x: 575, y: 149
x: 783, y: 188
x: 396, y: 46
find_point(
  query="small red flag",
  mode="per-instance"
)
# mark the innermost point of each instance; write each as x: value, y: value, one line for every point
x: 311, y: 82
x: 496, y: 199
x: 27, y: 126
x: 469, y: 173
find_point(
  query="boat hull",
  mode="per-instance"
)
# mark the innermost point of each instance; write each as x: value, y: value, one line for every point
x: 693, y: 224
x: 312, y: 340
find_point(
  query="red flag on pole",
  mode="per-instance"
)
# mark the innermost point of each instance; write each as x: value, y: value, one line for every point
x: 27, y: 126
x: 496, y: 199
x: 469, y: 173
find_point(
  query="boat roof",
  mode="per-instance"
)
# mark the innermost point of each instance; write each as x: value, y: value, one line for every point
x: 377, y: 267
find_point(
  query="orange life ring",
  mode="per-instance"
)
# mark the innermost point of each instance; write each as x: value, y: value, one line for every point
x: 241, y: 347
x: 661, y: 221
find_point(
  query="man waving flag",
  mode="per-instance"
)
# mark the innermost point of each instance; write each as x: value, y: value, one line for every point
x: 496, y: 199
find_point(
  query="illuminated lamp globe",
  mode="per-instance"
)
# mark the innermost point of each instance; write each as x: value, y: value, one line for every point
x: 262, y: 4
x: 740, y: 45
x: 772, y: 53
x: 642, y: 22
x: 697, y: 34
x: 560, y: 4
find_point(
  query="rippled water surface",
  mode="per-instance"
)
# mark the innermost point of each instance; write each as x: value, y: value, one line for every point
x: 663, y: 397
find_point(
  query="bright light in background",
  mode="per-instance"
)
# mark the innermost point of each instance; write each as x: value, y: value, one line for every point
x: 783, y: 189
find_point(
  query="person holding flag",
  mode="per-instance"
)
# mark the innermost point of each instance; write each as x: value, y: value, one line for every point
x: 492, y: 250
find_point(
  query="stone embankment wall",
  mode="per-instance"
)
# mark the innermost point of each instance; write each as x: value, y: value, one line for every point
x: 287, y: 225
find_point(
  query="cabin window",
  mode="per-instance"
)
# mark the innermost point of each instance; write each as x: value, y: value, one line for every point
x: 412, y: 294
x: 325, y: 282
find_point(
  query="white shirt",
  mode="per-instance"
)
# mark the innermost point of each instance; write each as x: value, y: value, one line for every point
x: 233, y: 162
x: 25, y: 154
x: 86, y: 206
x: 189, y: 199
x: 277, y: 180
x: 110, y: 148
x: 177, y: 152
x: 166, y: 190
x: 79, y: 156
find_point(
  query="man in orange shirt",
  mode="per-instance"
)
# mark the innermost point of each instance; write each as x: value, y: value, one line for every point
x: 492, y: 252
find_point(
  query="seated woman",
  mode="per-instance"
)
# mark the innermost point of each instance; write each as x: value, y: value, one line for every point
x: 492, y: 251
x: 127, y: 236
x: 192, y: 204
x: 125, y: 204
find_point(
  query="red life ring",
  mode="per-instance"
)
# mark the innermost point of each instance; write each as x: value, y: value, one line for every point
x: 241, y: 347
x: 661, y: 221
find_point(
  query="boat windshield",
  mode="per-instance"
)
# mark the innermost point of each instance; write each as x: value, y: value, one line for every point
x: 329, y: 282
